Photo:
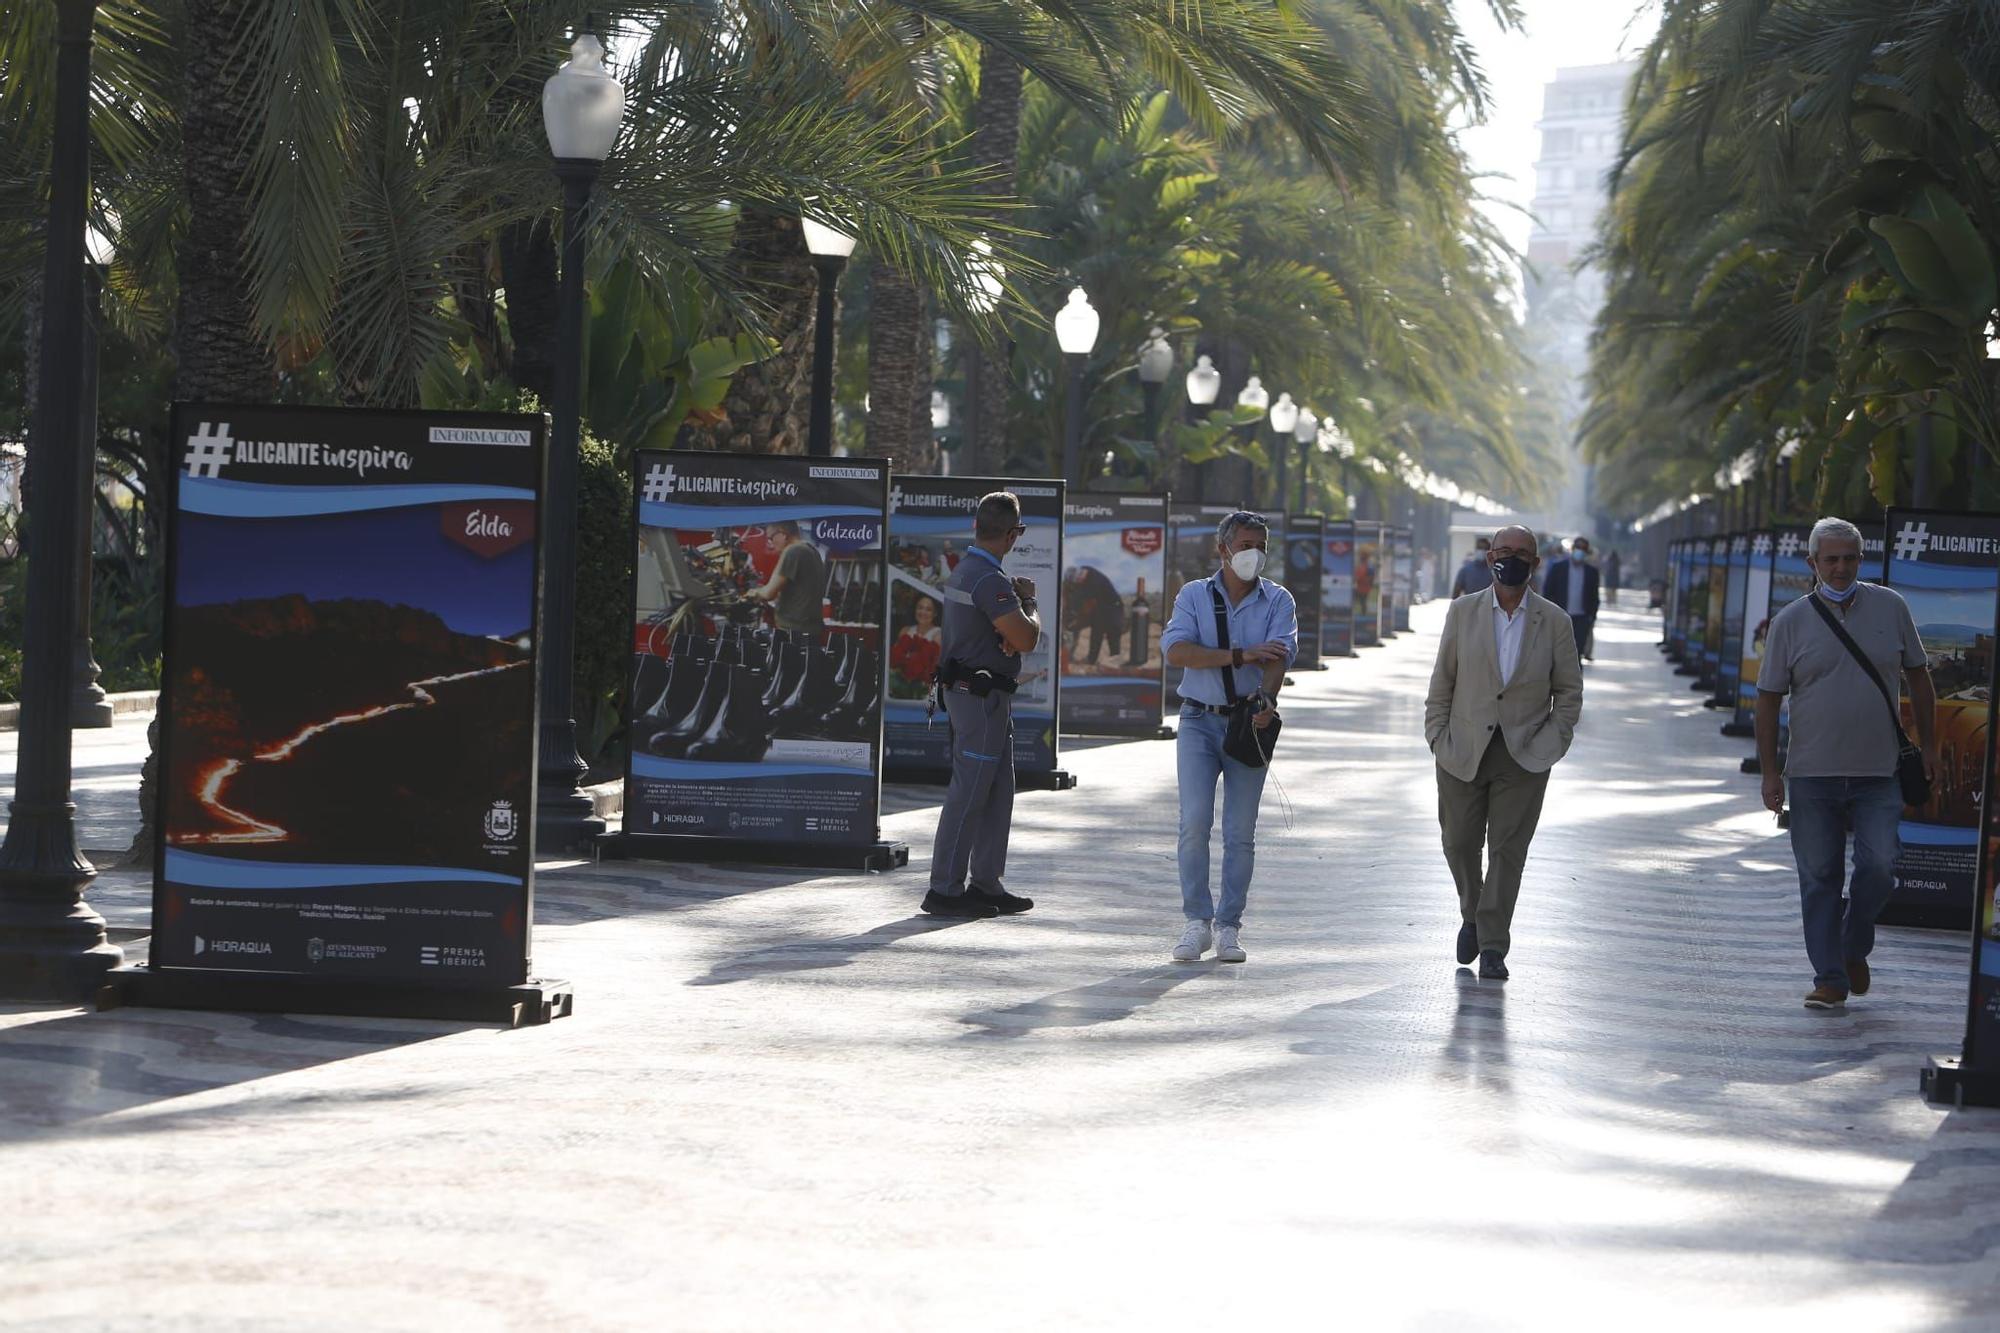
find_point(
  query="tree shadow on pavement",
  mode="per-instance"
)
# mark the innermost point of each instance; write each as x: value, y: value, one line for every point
x: 813, y: 955
x: 74, y: 1068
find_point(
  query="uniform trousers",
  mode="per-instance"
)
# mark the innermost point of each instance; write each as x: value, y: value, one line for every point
x: 1496, y: 813
x: 978, y: 813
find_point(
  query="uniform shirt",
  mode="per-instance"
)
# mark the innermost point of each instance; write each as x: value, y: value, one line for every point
x: 1507, y: 631
x: 976, y: 595
x: 798, y: 605
x: 1840, y: 726
x: 1475, y: 575
x: 1266, y: 612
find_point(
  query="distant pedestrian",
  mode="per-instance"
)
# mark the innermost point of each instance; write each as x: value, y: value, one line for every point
x: 1572, y: 583
x: 1475, y: 575
x: 1217, y: 682
x: 1841, y: 767
x: 989, y: 621
x: 1613, y: 570
x: 1504, y: 701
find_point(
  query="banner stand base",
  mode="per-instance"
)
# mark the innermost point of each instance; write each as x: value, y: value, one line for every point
x: 533, y: 1002
x: 1923, y: 915
x: 1945, y: 1079
x: 1040, y: 779
x: 1752, y: 766
x: 874, y: 857
x: 1718, y: 703
x: 1687, y: 671
x: 1738, y: 729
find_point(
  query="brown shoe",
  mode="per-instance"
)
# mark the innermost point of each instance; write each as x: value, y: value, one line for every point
x: 1857, y: 976
x: 1826, y: 997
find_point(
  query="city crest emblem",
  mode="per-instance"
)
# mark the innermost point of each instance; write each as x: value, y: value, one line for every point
x: 500, y: 821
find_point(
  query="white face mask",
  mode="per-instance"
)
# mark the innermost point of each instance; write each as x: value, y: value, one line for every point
x: 1247, y: 564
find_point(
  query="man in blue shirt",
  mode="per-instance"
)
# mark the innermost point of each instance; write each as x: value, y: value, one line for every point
x: 1264, y: 638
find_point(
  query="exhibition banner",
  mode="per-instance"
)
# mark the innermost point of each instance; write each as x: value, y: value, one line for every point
x: 1791, y: 579
x: 1735, y: 593
x: 1756, y: 620
x: 1305, y: 539
x: 1712, y: 616
x: 1982, y: 1020
x: 1947, y: 567
x: 1190, y: 556
x: 1370, y: 571
x: 1113, y: 609
x: 1676, y: 599
x: 1336, y: 589
x: 930, y: 530
x: 1694, y: 614
x: 1406, y: 576
x: 759, y: 604
x: 347, y: 701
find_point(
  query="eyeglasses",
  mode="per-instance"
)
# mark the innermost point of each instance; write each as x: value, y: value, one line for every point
x: 1017, y: 529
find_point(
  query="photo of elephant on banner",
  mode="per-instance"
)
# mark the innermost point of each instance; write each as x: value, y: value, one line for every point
x: 1113, y: 610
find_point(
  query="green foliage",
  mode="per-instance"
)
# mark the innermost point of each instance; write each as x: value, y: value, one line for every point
x: 603, y: 600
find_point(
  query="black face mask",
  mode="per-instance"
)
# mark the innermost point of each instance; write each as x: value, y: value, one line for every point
x: 1512, y: 570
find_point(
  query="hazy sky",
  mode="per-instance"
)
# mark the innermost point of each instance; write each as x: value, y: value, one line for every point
x: 1559, y: 33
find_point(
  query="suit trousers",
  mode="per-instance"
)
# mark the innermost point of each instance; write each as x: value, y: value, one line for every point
x: 978, y: 810
x: 1495, y: 813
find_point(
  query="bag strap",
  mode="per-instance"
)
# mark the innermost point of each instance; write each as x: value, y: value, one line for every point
x: 1222, y: 638
x: 1847, y: 641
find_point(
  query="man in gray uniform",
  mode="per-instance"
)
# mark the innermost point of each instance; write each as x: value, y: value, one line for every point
x: 989, y: 621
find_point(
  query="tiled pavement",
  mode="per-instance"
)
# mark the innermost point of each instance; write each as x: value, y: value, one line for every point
x: 788, y: 1102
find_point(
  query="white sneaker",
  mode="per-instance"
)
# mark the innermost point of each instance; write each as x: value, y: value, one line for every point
x: 1194, y: 943
x: 1227, y: 950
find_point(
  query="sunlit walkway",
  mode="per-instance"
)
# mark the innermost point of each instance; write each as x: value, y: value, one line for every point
x: 789, y: 1102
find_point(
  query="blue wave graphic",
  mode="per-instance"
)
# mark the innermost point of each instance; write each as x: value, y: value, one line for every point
x: 1112, y: 525
x: 656, y: 515
x: 220, y: 872
x: 256, y: 499
x: 948, y: 524
x: 694, y: 770
x: 1938, y: 835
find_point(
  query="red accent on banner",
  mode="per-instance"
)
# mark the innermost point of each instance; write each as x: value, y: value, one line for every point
x: 1142, y: 541
x: 488, y: 527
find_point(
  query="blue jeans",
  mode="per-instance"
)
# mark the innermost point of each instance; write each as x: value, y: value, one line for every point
x: 1822, y: 811
x: 1198, y: 756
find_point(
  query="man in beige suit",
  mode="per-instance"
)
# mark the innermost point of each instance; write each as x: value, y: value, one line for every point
x: 1505, y: 696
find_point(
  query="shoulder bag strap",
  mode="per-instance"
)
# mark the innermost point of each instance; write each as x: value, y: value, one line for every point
x: 1222, y: 637
x: 1847, y: 641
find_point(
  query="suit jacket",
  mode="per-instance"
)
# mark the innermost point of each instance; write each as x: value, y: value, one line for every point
x: 1535, y: 712
x: 1555, y: 586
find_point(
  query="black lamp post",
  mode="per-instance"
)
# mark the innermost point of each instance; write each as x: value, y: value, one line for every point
x: 1076, y: 334
x: 1305, y: 432
x: 1284, y: 418
x: 52, y: 944
x: 582, y: 106
x: 87, y: 705
x: 1156, y: 362
x: 830, y: 249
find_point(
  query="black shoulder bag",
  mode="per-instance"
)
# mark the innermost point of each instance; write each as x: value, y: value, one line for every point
x: 1909, y: 759
x: 1245, y: 741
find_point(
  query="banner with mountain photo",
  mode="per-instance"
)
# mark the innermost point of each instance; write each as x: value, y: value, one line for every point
x: 1305, y: 536
x: 1336, y: 589
x: 930, y: 529
x: 1758, y: 608
x: 1947, y: 567
x: 347, y: 701
x: 1114, y: 606
x: 1371, y: 568
x: 758, y: 653
x: 1735, y: 600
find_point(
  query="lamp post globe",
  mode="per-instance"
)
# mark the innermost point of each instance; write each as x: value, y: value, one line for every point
x: 1304, y: 433
x: 829, y: 247
x: 1254, y: 395
x: 1284, y: 417
x: 582, y: 109
x: 1076, y: 333
x: 1156, y: 362
x: 1203, y: 382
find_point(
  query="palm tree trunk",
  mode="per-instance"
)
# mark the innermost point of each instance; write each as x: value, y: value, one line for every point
x: 218, y: 353
x: 766, y: 408
x: 996, y: 143
x: 899, y: 372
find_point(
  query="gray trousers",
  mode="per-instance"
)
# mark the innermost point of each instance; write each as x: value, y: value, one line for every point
x: 1496, y: 813
x: 978, y: 808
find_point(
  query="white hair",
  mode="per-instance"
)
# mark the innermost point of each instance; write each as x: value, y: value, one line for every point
x: 1832, y: 527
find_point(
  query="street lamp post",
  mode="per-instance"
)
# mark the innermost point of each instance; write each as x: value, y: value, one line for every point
x: 1305, y: 432
x: 1284, y: 420
x: 1203, y: 383
x: 981, y: 439
x: 582, y: 106
x: 830, y: 249
x: 87, y: 705
x: 1254, y: 396
x: 1076, y: 334
x: 52, y: 944
x: 1156, y: 362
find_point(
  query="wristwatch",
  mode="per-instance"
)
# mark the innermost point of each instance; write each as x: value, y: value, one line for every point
x: 1028, y: 604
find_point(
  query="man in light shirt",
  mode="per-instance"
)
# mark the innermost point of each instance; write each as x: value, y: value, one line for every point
x: 1504, y: 701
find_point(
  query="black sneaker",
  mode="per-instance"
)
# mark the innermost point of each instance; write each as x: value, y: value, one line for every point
x: 968, y: 906
x: 1007, y: 904
x: 1468, y: 944
x: 1491, y: 966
